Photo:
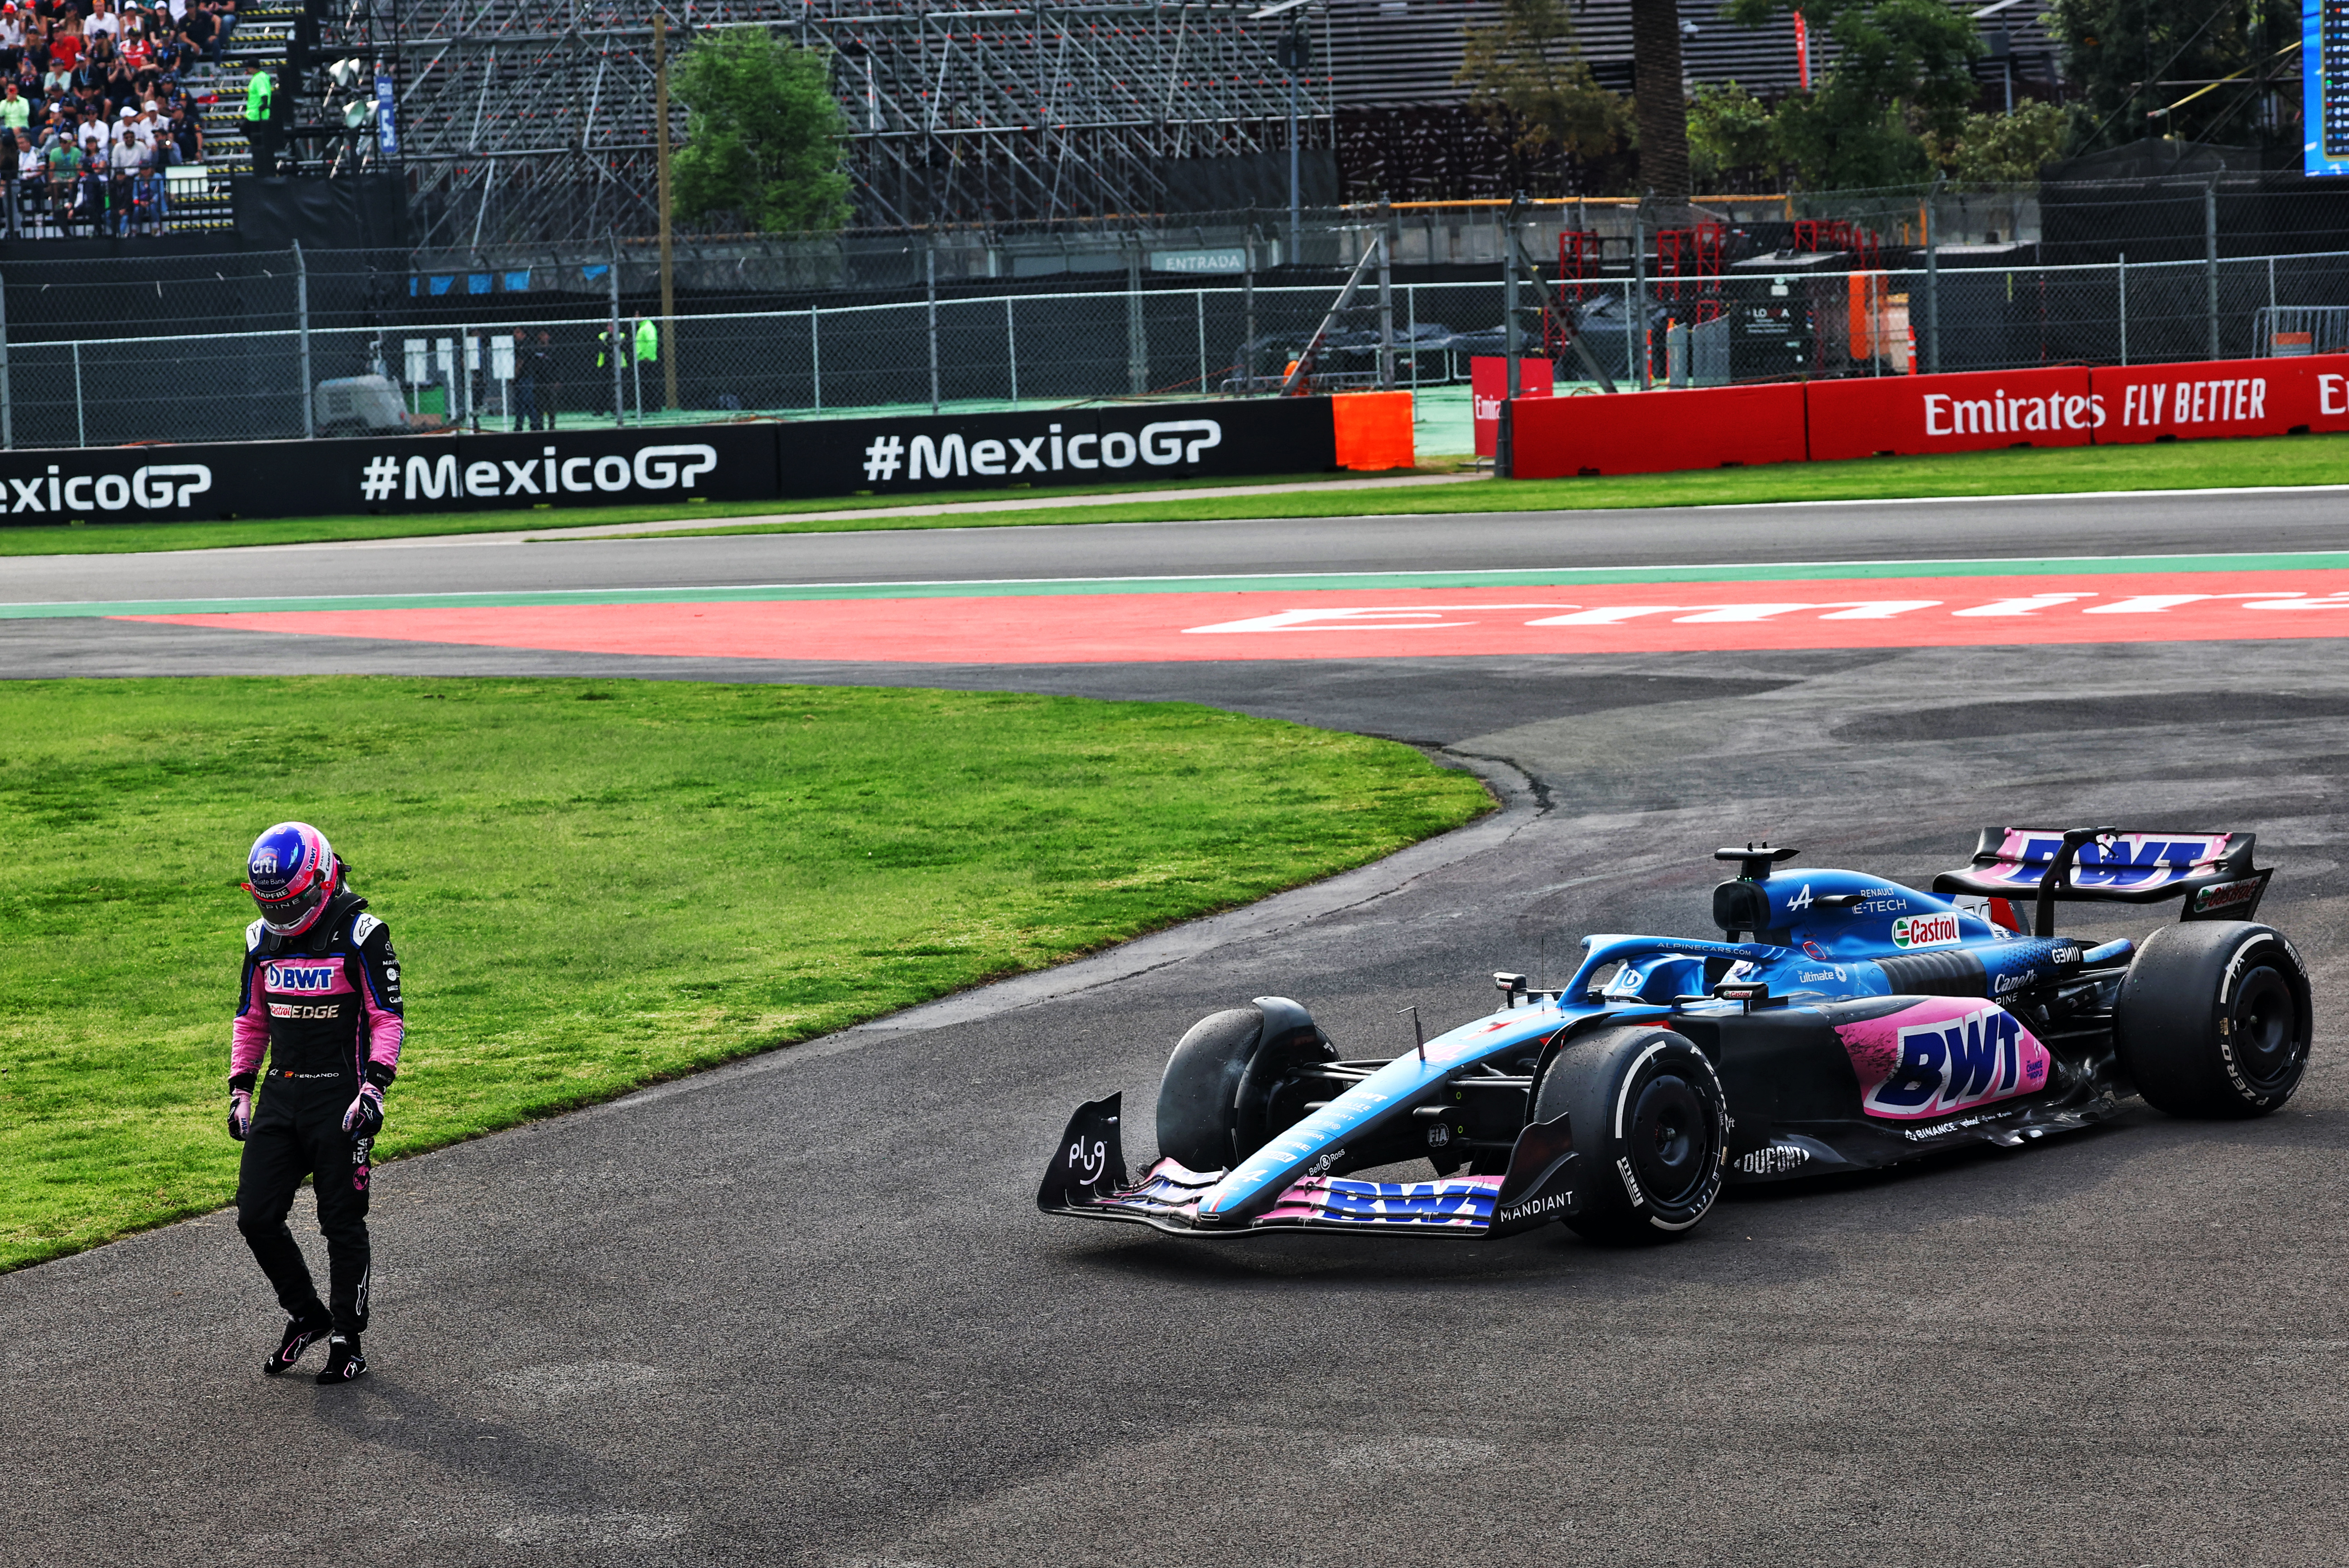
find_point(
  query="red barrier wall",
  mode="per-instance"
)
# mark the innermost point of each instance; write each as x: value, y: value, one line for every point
x: 1655, y: 433
x: 1976, y: 411
x: 2222, y: 398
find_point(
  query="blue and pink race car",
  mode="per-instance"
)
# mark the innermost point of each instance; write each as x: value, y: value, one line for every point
x: 1841, y: 1022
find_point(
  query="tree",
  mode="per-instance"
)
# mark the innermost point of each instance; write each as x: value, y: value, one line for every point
x: 764, y: 136
x: 1902, y: 71
x: 1656, y: 89
x: 1532, y: 85
x: 2119, y: 53
x: 2004, y: 149
x: 1729, y: 132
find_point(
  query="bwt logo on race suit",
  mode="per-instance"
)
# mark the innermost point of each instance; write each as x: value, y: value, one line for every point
x: 158, y: 487
x: 437, y: 478
x: 1947, y: 1064
x: 1162, y: 445
x: 301, y: 976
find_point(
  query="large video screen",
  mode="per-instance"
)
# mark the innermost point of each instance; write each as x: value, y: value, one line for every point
x: 2324, y: 86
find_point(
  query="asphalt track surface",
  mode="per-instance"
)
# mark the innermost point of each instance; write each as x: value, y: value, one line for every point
x: 803, y: 1311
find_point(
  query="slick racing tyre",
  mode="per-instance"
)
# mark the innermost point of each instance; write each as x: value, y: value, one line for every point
x: 2213, y: 1019
x: 1648, y: 1113
x: 1221, y: 1099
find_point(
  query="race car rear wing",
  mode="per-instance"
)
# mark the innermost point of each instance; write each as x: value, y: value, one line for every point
x: 2212, y: 872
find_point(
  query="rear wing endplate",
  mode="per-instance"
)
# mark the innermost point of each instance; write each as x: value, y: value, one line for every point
x: 2211, y: 872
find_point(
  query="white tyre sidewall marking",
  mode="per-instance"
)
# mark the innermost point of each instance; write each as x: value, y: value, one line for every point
x: 1639, y: 1203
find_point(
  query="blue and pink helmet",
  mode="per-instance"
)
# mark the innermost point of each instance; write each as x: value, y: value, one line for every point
x: 292, y: 873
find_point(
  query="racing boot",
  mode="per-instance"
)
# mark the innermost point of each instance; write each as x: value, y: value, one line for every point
x: 301, y: 1334
x: 344, y: 1361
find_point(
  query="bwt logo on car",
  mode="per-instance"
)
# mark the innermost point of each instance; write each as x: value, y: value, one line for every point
x: 159, y: 487
x: 434, y: 478
x: 1958, y: 1062
x: 1162, y: 445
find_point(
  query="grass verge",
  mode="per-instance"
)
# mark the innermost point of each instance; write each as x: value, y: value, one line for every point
x: 130, y: 538
x: 2054, y: 470
x: 593, y: 884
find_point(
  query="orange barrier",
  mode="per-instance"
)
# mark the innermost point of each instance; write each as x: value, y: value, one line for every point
x: 1373, y: 429
x: 1655, y: 433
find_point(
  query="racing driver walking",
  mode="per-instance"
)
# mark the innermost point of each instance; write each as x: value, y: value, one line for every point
x: 321, y: 998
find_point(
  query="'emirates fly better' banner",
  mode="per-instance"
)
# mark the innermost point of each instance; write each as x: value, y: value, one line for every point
x: 1918, y: 415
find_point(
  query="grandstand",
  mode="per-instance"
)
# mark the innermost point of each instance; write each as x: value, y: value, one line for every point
x: 521, y: 123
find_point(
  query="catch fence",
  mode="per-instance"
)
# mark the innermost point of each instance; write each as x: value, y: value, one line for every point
x: 1767, y: 319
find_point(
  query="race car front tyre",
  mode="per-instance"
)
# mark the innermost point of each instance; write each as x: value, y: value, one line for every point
x: 2213, y: 1019
x: 1648, y: 1113
x: 1220, y: 1098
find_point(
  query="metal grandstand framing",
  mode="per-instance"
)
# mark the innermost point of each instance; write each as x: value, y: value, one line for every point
x: 534, y: 124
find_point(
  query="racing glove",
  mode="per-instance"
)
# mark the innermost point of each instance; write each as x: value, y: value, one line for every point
x: 240, y: 1106
x: 364, y: 1118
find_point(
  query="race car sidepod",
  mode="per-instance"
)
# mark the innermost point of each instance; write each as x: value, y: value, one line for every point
x: 1088, y: 1178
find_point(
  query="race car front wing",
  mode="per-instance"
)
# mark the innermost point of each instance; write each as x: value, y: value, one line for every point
x: 1088, y: 1178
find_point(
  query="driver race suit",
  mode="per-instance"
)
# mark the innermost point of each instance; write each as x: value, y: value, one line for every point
x: 324, y: 1005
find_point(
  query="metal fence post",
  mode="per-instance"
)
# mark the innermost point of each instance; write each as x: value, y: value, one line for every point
x: 930, y: 296
x: 2256, y: 347
x: 1137, y: 345
x: 2211, y: 258
x: 1199, y: 298
x: 7, y: 398
x: 1933, y: 286
x: 1386, y: 307
x: 301, y: 315
x: 619, y: 399
x: 81, y: 430
x: 1505, y: 454
x: 1011, y: 349
x: 1248, y: 313
x: 1411, y: 314
x: 1630, y: 348
x: 815, y: 357
x: 2123, y: 280
x: 1646, y: 373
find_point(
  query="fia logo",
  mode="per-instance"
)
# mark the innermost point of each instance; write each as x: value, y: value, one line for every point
x: 1090, y: 1161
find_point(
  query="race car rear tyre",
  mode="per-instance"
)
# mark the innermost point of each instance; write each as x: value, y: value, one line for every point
x: 1217, y: 1102
x: 1649, y: 1114
x: 2213, y: 1019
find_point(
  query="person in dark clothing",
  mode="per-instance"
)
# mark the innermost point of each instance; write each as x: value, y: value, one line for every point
x: 525, y: 383
x: 320, y: 997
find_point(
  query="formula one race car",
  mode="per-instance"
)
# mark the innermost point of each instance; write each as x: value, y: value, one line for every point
x: 1843, y: 1021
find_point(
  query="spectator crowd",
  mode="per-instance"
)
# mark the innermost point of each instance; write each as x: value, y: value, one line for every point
x: 97, y: 103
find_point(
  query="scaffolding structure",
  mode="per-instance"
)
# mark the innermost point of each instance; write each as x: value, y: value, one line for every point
x: 534, y: 123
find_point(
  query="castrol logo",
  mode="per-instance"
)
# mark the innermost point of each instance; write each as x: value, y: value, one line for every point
x: 1924, y: 930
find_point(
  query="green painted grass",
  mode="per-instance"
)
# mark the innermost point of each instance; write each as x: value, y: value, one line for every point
x: 2181, y: 465
x: 126, y: 538
x: 593, y: 884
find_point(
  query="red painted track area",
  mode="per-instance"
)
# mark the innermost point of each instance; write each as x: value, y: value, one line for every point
x: 1615, y: 618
